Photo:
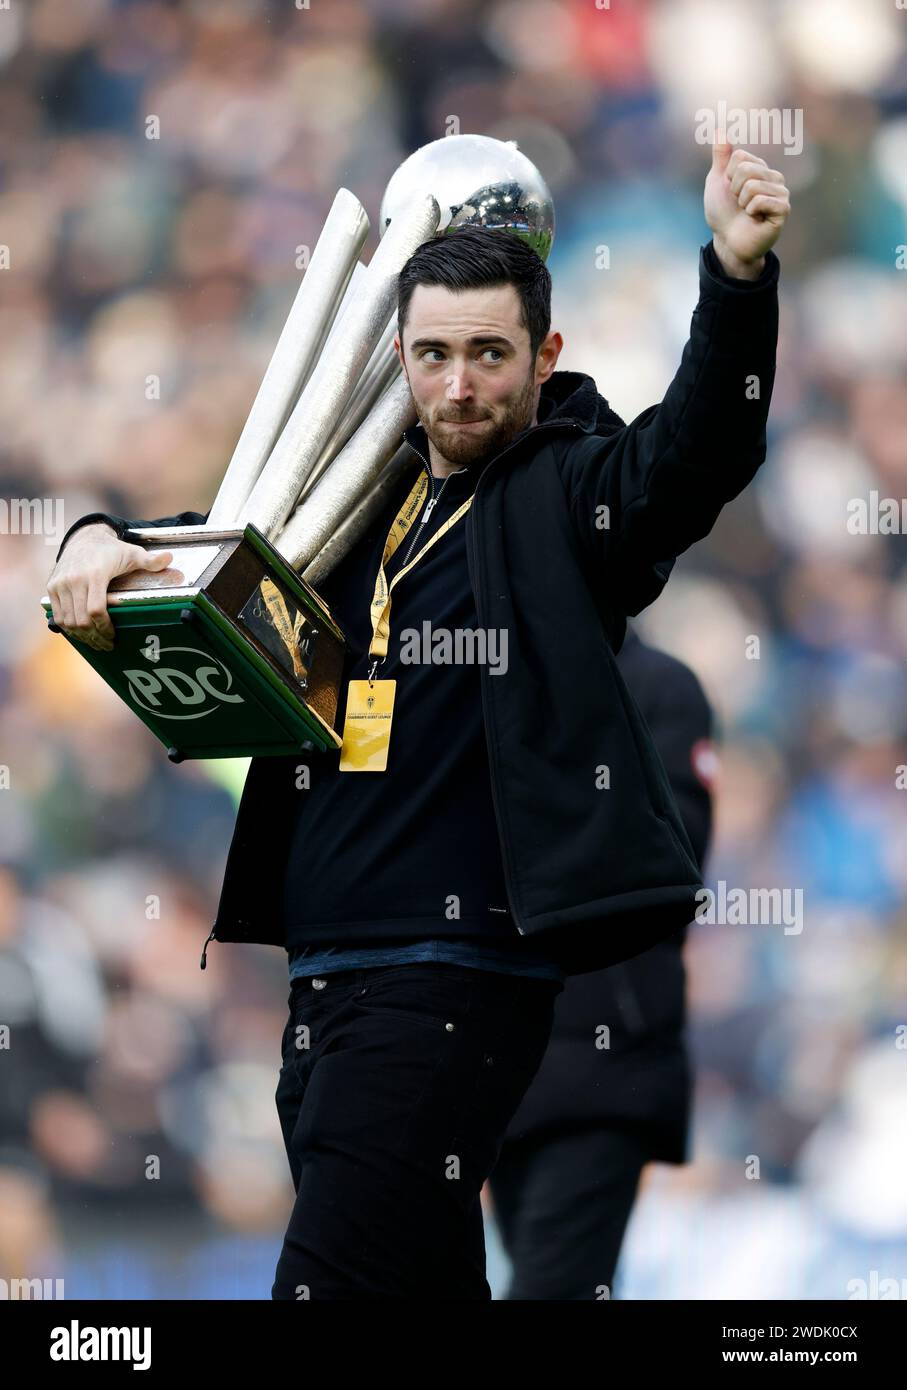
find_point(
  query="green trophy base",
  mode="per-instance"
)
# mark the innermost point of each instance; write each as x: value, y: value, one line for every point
x: 228, y: 653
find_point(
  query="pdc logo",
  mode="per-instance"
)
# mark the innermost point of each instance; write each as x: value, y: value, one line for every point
x: 169, y: 692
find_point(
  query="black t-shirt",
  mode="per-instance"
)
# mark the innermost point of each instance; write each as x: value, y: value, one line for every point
x: 379, y: 857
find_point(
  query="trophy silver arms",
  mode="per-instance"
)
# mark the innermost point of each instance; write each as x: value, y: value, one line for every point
x: 327, y: 392
x: 374, y: 500
x: 302, y: 339
x: 349, y: 477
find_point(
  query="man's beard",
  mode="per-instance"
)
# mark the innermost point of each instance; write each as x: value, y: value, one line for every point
x: 464, y: 447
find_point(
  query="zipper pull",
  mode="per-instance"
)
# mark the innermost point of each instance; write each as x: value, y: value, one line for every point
x: 432, y: 500
x: 203, y: 962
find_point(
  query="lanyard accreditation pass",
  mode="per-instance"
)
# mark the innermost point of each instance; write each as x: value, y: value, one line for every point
x: 370, y: 703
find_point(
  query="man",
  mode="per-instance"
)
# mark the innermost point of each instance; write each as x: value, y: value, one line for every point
x: 524, y: 828
x: 614, y: 1089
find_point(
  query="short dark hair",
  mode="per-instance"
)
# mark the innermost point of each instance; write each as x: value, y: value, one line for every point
x: 476, y: 258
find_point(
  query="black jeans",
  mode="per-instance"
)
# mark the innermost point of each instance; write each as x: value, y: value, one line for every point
x: 561, y: 1202
x: 397, y: 1087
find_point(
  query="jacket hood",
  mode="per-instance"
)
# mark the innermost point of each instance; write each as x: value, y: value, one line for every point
x: 573, y: 398
x: 568, y: 398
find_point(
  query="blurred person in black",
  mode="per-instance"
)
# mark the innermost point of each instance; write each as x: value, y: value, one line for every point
x: 432, y: 914
x: 603, y: 1104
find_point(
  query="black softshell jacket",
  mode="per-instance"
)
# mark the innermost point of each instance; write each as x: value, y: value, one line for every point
x: 642, y: 1081
x: 574, y: 526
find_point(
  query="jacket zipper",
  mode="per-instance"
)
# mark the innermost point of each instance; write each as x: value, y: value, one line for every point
x: 494, y: 779
x: 203, y: 962
x: 417, y: 531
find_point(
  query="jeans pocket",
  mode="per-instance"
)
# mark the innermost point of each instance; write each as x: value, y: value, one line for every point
x: 299, y: 1032
x: 506, y: 1048
x: 422, y: 995
x: 414, y: 1013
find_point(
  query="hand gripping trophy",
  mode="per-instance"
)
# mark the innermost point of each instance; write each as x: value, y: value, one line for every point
x: 229, y: 651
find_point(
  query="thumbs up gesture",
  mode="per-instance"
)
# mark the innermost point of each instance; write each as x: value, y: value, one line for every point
x: 746, y: 205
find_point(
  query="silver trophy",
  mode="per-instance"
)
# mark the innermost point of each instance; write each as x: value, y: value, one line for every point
x: 345, y: 430
x: 257, y: 666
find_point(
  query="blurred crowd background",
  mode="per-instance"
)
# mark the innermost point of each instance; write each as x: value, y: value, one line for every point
x: 173, y: 257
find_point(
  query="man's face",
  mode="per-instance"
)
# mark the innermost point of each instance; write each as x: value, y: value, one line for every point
x: 472, y: 376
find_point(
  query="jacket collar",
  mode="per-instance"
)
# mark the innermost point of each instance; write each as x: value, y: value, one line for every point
x: 569, y: 399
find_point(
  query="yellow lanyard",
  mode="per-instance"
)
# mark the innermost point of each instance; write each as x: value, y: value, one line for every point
x: 400, y: 527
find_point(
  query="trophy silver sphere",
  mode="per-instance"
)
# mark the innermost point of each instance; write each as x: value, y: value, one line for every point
x: 478, y: 182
